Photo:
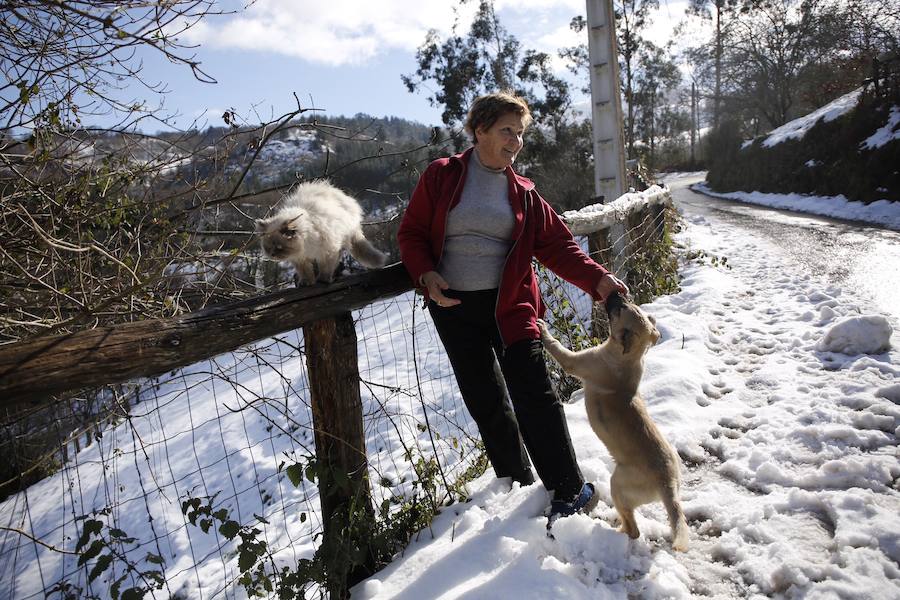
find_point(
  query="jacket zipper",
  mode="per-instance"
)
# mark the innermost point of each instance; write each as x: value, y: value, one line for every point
x: 508, y: 254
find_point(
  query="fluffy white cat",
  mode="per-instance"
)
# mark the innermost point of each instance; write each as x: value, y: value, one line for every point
x: 311, y: 228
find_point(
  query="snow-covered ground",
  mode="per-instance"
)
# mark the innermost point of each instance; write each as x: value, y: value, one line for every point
x: 880, y: 212
x: 788, y: 433
x: 786, y: 423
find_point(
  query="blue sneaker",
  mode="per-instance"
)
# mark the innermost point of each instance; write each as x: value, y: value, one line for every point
x: 585, y: 502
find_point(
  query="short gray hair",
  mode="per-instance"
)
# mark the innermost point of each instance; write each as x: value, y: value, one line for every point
x: 488, y: 108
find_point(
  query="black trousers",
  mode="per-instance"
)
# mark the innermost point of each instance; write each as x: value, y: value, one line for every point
x: 489, y: 375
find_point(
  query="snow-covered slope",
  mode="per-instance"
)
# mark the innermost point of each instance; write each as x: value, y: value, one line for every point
x: 798, y: 127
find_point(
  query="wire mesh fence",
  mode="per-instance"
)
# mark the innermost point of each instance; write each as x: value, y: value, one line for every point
x: 201, y: 483
x: 224, y: 431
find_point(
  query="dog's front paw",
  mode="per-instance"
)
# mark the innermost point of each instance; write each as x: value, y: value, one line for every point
x: 545, y: 330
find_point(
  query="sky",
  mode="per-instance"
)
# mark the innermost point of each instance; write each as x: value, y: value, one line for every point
x: 785, y: 412
x: 343, y: 56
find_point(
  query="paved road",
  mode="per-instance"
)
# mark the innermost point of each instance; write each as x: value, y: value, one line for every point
x: 853, y: 255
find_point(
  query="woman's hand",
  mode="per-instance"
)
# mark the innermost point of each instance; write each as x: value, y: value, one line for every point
x: 436, y: 285
x: 608, y: 284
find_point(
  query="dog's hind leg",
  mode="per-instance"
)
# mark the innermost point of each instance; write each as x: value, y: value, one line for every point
x: 680, y: 538
x: 624, y: 503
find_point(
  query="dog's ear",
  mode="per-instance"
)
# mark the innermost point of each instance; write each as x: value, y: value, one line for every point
x: 261, y: 225
x: 626, y: 339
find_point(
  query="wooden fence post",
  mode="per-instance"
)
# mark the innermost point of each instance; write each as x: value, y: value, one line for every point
x: 342, y: 469
x: 600, y: 246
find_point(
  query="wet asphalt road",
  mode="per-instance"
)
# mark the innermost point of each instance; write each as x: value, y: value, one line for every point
x: 853, y: 255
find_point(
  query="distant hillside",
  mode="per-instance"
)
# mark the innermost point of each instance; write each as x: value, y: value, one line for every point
x: 357, y: 153
x: 377, y: 160
x: 849, y: 147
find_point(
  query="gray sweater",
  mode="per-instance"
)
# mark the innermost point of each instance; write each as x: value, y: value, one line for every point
x: 479, y: 229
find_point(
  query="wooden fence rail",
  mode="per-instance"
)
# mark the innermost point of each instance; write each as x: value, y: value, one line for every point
x: 35, y: 370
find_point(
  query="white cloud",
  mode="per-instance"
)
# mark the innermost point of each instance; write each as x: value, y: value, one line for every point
x: 336, y: 32
x: 531, y: 5
x: 354, y: 32
x: 340, y: 32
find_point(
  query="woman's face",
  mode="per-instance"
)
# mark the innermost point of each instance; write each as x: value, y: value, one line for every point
x: 499, y: 144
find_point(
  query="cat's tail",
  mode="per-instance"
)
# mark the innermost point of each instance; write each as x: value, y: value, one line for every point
x: 368, y: 255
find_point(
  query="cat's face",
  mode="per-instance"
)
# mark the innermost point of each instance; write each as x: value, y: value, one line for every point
x: 278, y: 237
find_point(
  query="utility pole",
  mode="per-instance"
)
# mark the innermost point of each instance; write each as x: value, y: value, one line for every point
x: 693, y: 121
x: 606, y: 101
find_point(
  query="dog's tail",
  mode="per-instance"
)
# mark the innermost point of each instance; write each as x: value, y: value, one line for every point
x: 368, y: 255
x: 680, y: 536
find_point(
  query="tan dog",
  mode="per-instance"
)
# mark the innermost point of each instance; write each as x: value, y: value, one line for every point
x: 647, y: 468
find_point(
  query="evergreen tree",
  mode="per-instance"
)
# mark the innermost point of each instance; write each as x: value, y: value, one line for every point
x: 657, y: 76
x: 489, y: 58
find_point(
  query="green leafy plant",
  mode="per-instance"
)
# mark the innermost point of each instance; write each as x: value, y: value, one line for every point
x: 702, y: 257
x: 653, y: 266
x: 252, y: 551
x: 567, y: 327
x: 360, y: 541
x: 101, y: 548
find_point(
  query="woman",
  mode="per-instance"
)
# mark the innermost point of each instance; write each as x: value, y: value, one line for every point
x: 468, y: 238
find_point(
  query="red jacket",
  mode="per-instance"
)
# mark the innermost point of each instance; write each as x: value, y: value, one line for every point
x: 538, y: 232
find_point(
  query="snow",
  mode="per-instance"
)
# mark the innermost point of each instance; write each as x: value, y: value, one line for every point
x: 869, y: 334
x: 223, y: 427
x: 880, y: 212
x: 889, y: 132
x: 597, y: 216
x: 790, y: 453
x: 798, y: 127
x: 778, y: 388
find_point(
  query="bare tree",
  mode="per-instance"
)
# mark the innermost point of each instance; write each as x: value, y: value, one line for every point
x: 88, y: 221
x: 721, y: 12
x: 777, y: 51
x: 67, y: 61
x: 772, y: 60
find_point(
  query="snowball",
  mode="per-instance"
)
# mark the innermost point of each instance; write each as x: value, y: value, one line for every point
x: 370, y: 588
x: 868, y: 334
